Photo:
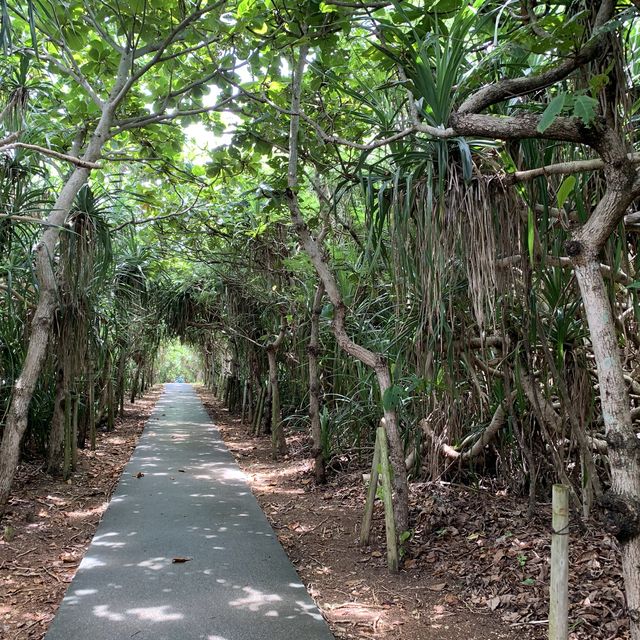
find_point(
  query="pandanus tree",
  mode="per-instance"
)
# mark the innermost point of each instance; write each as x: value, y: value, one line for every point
x: 490, y: 106
x: 153, y: 45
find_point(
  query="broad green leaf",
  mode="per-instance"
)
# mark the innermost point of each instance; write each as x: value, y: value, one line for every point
x: 392, y: 397
x: 585, y: 109
x: 551, y: 112
x: 565, y: 190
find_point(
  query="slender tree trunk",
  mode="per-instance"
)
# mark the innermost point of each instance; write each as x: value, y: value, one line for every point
x: 120, y: 381
x: 623, y: 499
x: 135, y: 384
x: 314, y: 250
x: 278, y: 441
x: 91, y: 412
x: 24, y: 386
x: 314, y: 388
x: 55, y: 452
x: 75, y: 403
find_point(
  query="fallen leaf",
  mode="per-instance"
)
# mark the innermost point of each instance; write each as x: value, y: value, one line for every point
x: 437, y: 587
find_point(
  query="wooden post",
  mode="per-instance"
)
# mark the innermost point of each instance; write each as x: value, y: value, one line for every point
x: 559, y: 587
x: 365, y: 530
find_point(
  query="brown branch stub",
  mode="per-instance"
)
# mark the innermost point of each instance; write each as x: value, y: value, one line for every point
x: 623, y: 515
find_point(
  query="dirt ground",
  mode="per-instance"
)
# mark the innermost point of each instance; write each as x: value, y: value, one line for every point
x: 50, y: 523
x: 475, y: 568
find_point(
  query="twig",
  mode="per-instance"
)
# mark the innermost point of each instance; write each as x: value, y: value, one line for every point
x: 53, y: 575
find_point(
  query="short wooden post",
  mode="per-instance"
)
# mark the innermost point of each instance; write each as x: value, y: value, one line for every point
x: 559, y: 587
x: 365, y: 530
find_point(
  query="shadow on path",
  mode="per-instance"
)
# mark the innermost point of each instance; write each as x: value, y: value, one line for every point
x: 192, y: 504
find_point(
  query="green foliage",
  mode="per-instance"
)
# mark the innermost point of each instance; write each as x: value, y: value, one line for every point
x: 175, y: 360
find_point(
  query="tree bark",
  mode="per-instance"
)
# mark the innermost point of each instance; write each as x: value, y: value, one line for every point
x: 55, y: 451
x: 623, y: 499
x: 278, y: 440
x: 314, y: 388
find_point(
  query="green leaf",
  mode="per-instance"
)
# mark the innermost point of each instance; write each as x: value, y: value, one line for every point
x: 565, y: 190
x: 585, y: 108
x: 551, y: 112
x: 392, y: 397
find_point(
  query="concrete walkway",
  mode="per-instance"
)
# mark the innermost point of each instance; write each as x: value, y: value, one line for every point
x: 192, y: 502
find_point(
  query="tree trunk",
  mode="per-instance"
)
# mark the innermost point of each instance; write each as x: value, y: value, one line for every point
x: 314, y: 250
x: 24, y: 386
x: 55, y: 452
x: 278, y: 442
x: 314, y: 388
x: 623, y: 499
x: 120, y: 381
x: 135, y: 383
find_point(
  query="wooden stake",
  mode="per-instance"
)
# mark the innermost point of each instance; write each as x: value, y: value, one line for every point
x: 365, y: 530
x: 381, y: 460
x: 559, y: 587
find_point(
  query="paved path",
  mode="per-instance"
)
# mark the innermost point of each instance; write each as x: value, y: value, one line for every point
x: 193, y: 502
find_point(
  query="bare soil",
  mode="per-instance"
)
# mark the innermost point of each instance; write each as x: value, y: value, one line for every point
x: 476, y: 566
x: 50, y: 524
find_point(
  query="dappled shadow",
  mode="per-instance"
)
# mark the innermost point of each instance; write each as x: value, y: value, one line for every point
x: 184, y: 550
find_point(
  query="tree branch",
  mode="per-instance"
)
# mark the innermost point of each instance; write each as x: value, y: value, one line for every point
x: 563, y: 261
x: 512, y: 87
x: 566, y: 168
x: 161, y: 118
x: 79, y: 162
x: 524, y: 126
x: 160, y: 47
x: 75, y: 73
